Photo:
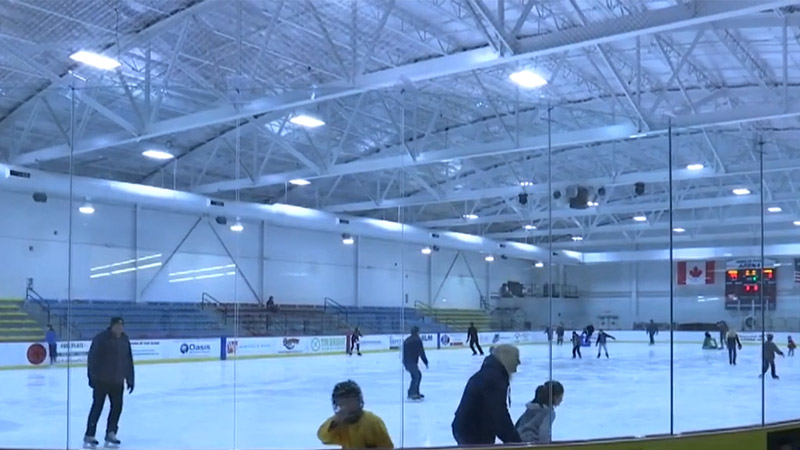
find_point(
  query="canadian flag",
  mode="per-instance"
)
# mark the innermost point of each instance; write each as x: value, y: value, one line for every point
x: 695, y: 272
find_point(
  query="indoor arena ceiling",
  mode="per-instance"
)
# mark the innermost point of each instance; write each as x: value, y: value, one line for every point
x: 423, y: 123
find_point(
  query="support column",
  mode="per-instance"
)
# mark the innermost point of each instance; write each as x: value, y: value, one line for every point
x: 136, y: 211
x: 430, y: 280
x: 635, y: 290
x: 262, y: 237
x: 356, y: 270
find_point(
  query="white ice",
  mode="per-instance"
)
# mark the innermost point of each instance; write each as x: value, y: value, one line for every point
x: 280, y: 402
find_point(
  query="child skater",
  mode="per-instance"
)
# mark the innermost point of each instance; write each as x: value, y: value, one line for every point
x: 355, y: 342
x: 791, y: 345
x: 733, y: 344
x: 576, y: 345
x: 602, y: 339
x: 351, y: 426
x: 535, y: 424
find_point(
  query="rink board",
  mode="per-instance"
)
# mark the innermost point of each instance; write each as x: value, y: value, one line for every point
x: 33, y: 354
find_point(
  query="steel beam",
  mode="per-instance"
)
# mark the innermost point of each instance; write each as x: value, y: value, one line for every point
x: 627, y: 27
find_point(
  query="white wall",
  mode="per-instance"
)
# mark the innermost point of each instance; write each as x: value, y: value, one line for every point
x: 294, y: 265
x: 640, y: 291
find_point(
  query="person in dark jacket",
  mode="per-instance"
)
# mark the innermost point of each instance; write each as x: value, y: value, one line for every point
x: 110, y: 366
x: 413, y: 351
x: 472, y: 338
x: 482, y: 415
x: 733, y: 344
x: 652, y: 331
x: 560, y: 334
x: 770, y: 350
x: 602, y: 340
x: 52, y: 344
x: 723, y: 332
x: 576, y: 345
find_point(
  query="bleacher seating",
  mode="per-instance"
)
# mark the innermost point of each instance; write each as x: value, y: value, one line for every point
x: 382, y: 320
x: 252, y: 319
x: 16, y: 324
x: 83, y: 319
x: 458, y: 319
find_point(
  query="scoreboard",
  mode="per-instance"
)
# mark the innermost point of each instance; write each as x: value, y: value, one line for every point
x: 747, y: 284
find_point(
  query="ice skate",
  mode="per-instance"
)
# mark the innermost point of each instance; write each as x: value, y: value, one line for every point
x: 89, y: 442
x: 111, y: 440
x: 415, y: 398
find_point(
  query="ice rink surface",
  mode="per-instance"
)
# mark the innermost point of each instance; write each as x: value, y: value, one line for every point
x: 280, y: 402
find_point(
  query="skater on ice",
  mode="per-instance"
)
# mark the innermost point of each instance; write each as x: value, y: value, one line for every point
x: 560, y: 334
x: 709, y: 343
x: 602, y: 340
x: 576, y: 345
x: 652, y: 331
x: 791, y: 346
x: 354, y: 342
x: 110, y: 367
x: 482, y: 415
x: 733, y: 344
x: 413, y: 351
x: 473, y: 339
x: 549, y: 332
x: 723, y: 332
x: 770, y: 349
x: 352, y: 426
x: 52, y: 344
x: 535, y: 424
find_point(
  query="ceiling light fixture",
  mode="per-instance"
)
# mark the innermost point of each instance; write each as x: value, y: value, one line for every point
x: 592, y: 204
x: 470, y: 216
x: 237, y: 227
x: 489, y: 258
x: 427, y: 251
x: 774, y: 209
x: 95, y: 60
x: 796, y: 223
x: 347, y: 239
x: 679, y: 230
x: 86, y: 208
x: 637, y: 135
x: 299, y: 182
x: 640, y: 218
x: 695, y: 167
x: 158, y: 154
x: 526, y: 183
x: 530, y: 227
x: 741, y: 191
x: 539, y: 264
x: 527, y: 79
x: 307, y: 121
x: 577, y: 238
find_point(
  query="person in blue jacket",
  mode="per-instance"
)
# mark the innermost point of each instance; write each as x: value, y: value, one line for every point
x: 413, y: 351
x: 482, y: 415
x: 52, y: 344
x: 109, y: 367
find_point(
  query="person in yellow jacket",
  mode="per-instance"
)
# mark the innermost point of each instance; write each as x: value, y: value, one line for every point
x: 351, y: 426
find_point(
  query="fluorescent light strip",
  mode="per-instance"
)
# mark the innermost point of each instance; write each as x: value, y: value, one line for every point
x: 125, y: 270
x: 122, y: 263
x: 205, y: 269
x: 201, y: 277
x: 95, y: 60
x: 100, y: 275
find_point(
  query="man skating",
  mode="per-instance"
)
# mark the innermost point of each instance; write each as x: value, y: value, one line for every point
x: 652, y: 331
x: 413, y: 351
x: 109, y: 366
x: 472, y: 338
x: 602, y: 340
x: 770, y: 349
x: 560, y: 334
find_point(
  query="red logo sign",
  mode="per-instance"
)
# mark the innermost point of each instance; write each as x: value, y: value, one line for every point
x: 36, y: 354
x: 695, y: 272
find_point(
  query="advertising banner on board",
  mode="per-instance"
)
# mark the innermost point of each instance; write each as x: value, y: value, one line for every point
x: 452, y: 340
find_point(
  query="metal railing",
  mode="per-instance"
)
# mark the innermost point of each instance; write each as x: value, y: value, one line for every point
x: 208, y: 299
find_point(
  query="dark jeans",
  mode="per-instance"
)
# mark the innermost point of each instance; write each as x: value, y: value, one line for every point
x: 652, y: 338
x: 732, y: 353
x: 100, y: 392
x: 576, y: 351
x: 722, y: 339
x: 52, y: 349
x: 473, y: 344
x: 416, y: 378
x: 769, y: 364
x: 560, y: 340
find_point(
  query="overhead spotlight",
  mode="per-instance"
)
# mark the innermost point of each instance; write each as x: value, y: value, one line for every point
x: 307, y: 121
x: 470, y: 216
x: 679, y: 230
x: 741, y: 191
x: 237, y: 227
x: 86, y: 208
x: 426, y: 251
x: 695, y: 167
x: 592, y: 204
x: 523, y: 199
x: 157, y: 154
x: 539, y: 264
x: 774, y: 209
x: 529, y: 227
x: 527, y: 79
x: 526, y: 183
x: 347, y: 239
x: 489, y: 258
x: 299, y: 182
x: 796, y: 223
x: 577, y: 238
x: 95, y: 60
x: 638, y: 188
x: 640, y: 218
